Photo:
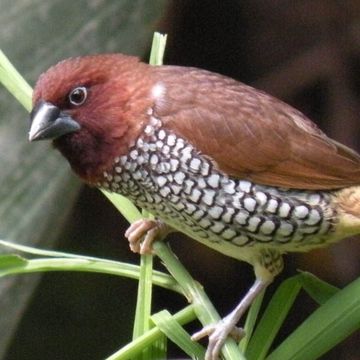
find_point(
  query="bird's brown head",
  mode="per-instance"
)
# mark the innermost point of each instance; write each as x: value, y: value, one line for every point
x: 92, y: 107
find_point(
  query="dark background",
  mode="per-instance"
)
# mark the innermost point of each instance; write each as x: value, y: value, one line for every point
x: 305, y: 52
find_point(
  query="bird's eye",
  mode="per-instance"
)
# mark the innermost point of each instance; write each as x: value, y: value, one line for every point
x: 78, y: 96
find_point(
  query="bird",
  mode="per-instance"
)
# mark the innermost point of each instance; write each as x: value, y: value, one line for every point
x: 218, y: 160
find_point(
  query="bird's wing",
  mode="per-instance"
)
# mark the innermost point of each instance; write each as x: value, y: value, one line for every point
x: 249, y: 134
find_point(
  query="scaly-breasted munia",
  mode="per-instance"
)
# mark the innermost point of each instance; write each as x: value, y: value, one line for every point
x: 226, y: 164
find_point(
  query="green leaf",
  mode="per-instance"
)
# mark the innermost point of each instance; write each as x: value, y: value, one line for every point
x: 130, y: 212
x: 14, y: 82
x: 158, y: 49
x: 318, y: 289
x: 61, y: 261
x: 273, y: 318
x: 195, y: 294
x: 9, y: 262
x: 173, y: 330
x: 137, y: 346
x: 144, y: 296
x: 326, y: 327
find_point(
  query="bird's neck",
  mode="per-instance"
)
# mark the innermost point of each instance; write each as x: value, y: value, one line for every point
x: 88, y: 156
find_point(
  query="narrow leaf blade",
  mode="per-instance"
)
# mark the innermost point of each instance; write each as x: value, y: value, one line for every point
x: 326, y: 327
x: 273, y: 318
x: 318, y: 289
x: 173, y: 330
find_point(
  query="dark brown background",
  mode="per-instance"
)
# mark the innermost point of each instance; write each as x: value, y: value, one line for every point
x: 305, y: 52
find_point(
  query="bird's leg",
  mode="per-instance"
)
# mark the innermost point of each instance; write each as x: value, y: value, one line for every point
x: 267, y: 265
x: 227, y: 326
x: 142, y: 233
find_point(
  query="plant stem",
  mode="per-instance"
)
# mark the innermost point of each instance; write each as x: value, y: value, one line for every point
x: 132, y: 349
x: 103, y: 267
x: 204, y: 309
x: 14, y: 82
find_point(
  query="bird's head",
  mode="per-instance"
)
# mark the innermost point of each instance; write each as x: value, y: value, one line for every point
x: 92, y: 107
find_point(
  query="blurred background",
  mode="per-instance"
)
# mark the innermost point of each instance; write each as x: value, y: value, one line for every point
x: 304, y: 52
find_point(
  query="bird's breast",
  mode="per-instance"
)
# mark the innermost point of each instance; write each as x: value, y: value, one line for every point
x: 166, y: 175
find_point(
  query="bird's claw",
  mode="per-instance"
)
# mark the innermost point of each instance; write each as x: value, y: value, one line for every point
x: 218, y: 334
x: 142, y: 233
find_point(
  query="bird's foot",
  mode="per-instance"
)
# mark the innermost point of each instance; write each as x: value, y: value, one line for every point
x: 227, y: 326
x: 218, y: 334
x: 142, y: 233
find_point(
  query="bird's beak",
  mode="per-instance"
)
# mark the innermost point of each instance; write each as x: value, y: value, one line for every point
x: 48, y: 122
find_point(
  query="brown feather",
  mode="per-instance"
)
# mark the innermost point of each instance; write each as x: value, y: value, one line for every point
x: 251, y: 135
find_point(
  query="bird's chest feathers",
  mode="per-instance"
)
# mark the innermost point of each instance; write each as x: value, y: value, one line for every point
x: 169, y: 177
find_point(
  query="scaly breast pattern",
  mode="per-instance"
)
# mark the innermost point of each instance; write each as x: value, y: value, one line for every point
x: 169, y: 177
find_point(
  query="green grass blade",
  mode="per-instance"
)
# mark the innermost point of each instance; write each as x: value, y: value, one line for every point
x: 48, y: 253
x: 158, y: 49
x: 14, y: 82
x: 273, y: 318
x: 326, y: 327
x: 9, y: 262
x: 195, y: 293
x: 143, y: 303
x: 318, y: 289
x: 134, y: 348
x: 14, y: 264
x: 174, y: 331
x: 159, y: 348
x: 130, y: 212
x: 144, y: 296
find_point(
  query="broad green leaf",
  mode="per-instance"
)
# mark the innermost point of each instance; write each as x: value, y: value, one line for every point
x: 36, y: 187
